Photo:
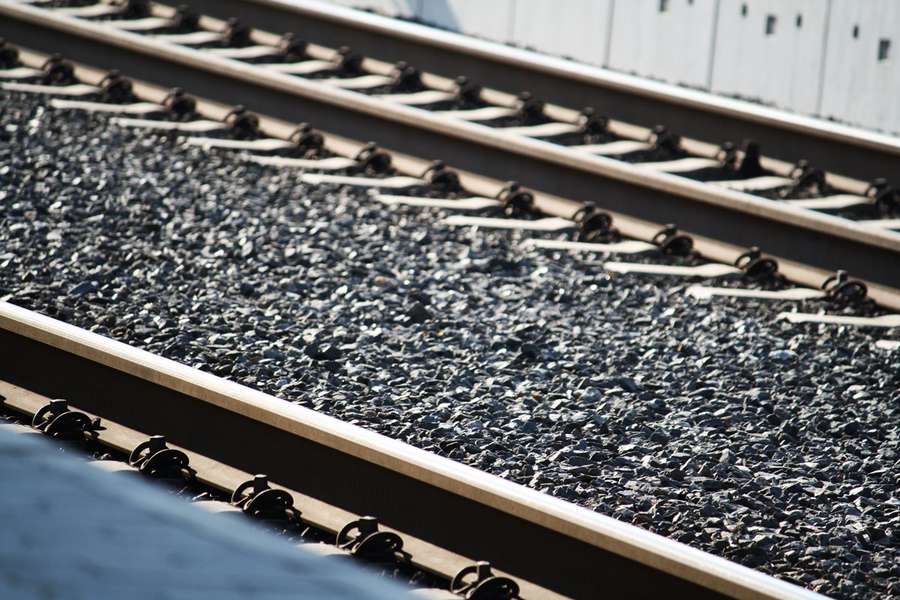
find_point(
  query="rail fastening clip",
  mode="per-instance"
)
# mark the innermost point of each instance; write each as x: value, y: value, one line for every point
x: 369, y: 542
x: 255, y: 497
x: 673, y: 243
x: 156, y: 459
x: 58, y: 420
x: 843, y: 289
x: 757, y: 267
x: 485, y: 585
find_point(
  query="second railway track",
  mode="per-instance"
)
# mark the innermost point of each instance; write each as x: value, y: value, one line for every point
x: 443, y: 510
x: 785, y: 230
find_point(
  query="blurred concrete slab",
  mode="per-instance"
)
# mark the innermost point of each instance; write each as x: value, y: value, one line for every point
x: 69, y: 530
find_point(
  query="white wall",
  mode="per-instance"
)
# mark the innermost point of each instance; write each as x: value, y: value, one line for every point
x: 394, y: 8
x: 858, y: 87
x: 816, y: 68
x: 781, y: 65
x: 674, y: 44
x: 576, y: 29
x: 492, y: 19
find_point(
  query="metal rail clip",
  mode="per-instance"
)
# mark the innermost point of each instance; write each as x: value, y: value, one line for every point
x: 807, y: 177
x: 664, y: 140
x: 466, y: 94
x: 9, y: 56
x: 373, y: 160
x: 592, y: 125
x: 442, y: 178
x: 369, y: 542
x: 242, y: 123
x: 843, y: 289
x: 406, y: 78
x: 256, y: 498
x: 58, y: 72
x: 57, y: 420
x: 517, y: 202
x: 133, y: 9
x: 181, y: 106
x: 307, y: 141
x: 885, y: 197
x: 116, y: 89
x: 745, y: 164
x: 156, y: 459
x: 291, y: 48
x: 185, y: 20
x: 529, y: 109
x: 485, y: 585
x: 236, y: 34
x: 755, y: 266
x: 673, y: 243
x: 347, y: 62
x: 595, y: 226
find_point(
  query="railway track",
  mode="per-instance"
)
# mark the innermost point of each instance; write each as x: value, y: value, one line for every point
x: 226, y: 133
x: 702, y: 116
x: 441, y: 510
x: 621, y: 167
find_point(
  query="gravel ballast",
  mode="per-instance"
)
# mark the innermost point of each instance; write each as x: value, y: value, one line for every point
x: 774, y: 445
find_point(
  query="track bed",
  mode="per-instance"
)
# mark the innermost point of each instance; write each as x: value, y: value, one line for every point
x: 769, y: 443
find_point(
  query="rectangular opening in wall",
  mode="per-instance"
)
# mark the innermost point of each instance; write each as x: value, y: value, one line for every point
x: 884, y: 50
x: 799, y: 21
x: 744, y: 9
x: 663, y: 5
x: 770, y: 24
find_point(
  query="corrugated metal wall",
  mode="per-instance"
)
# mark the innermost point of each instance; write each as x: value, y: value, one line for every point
x: 837, y: 59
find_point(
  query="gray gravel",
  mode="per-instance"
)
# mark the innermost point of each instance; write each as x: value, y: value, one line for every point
x: 771, y: 444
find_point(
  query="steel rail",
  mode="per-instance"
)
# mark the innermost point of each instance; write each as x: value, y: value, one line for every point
x: 530, y: 535
x: 798, y: 235
x: 691, y: 113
